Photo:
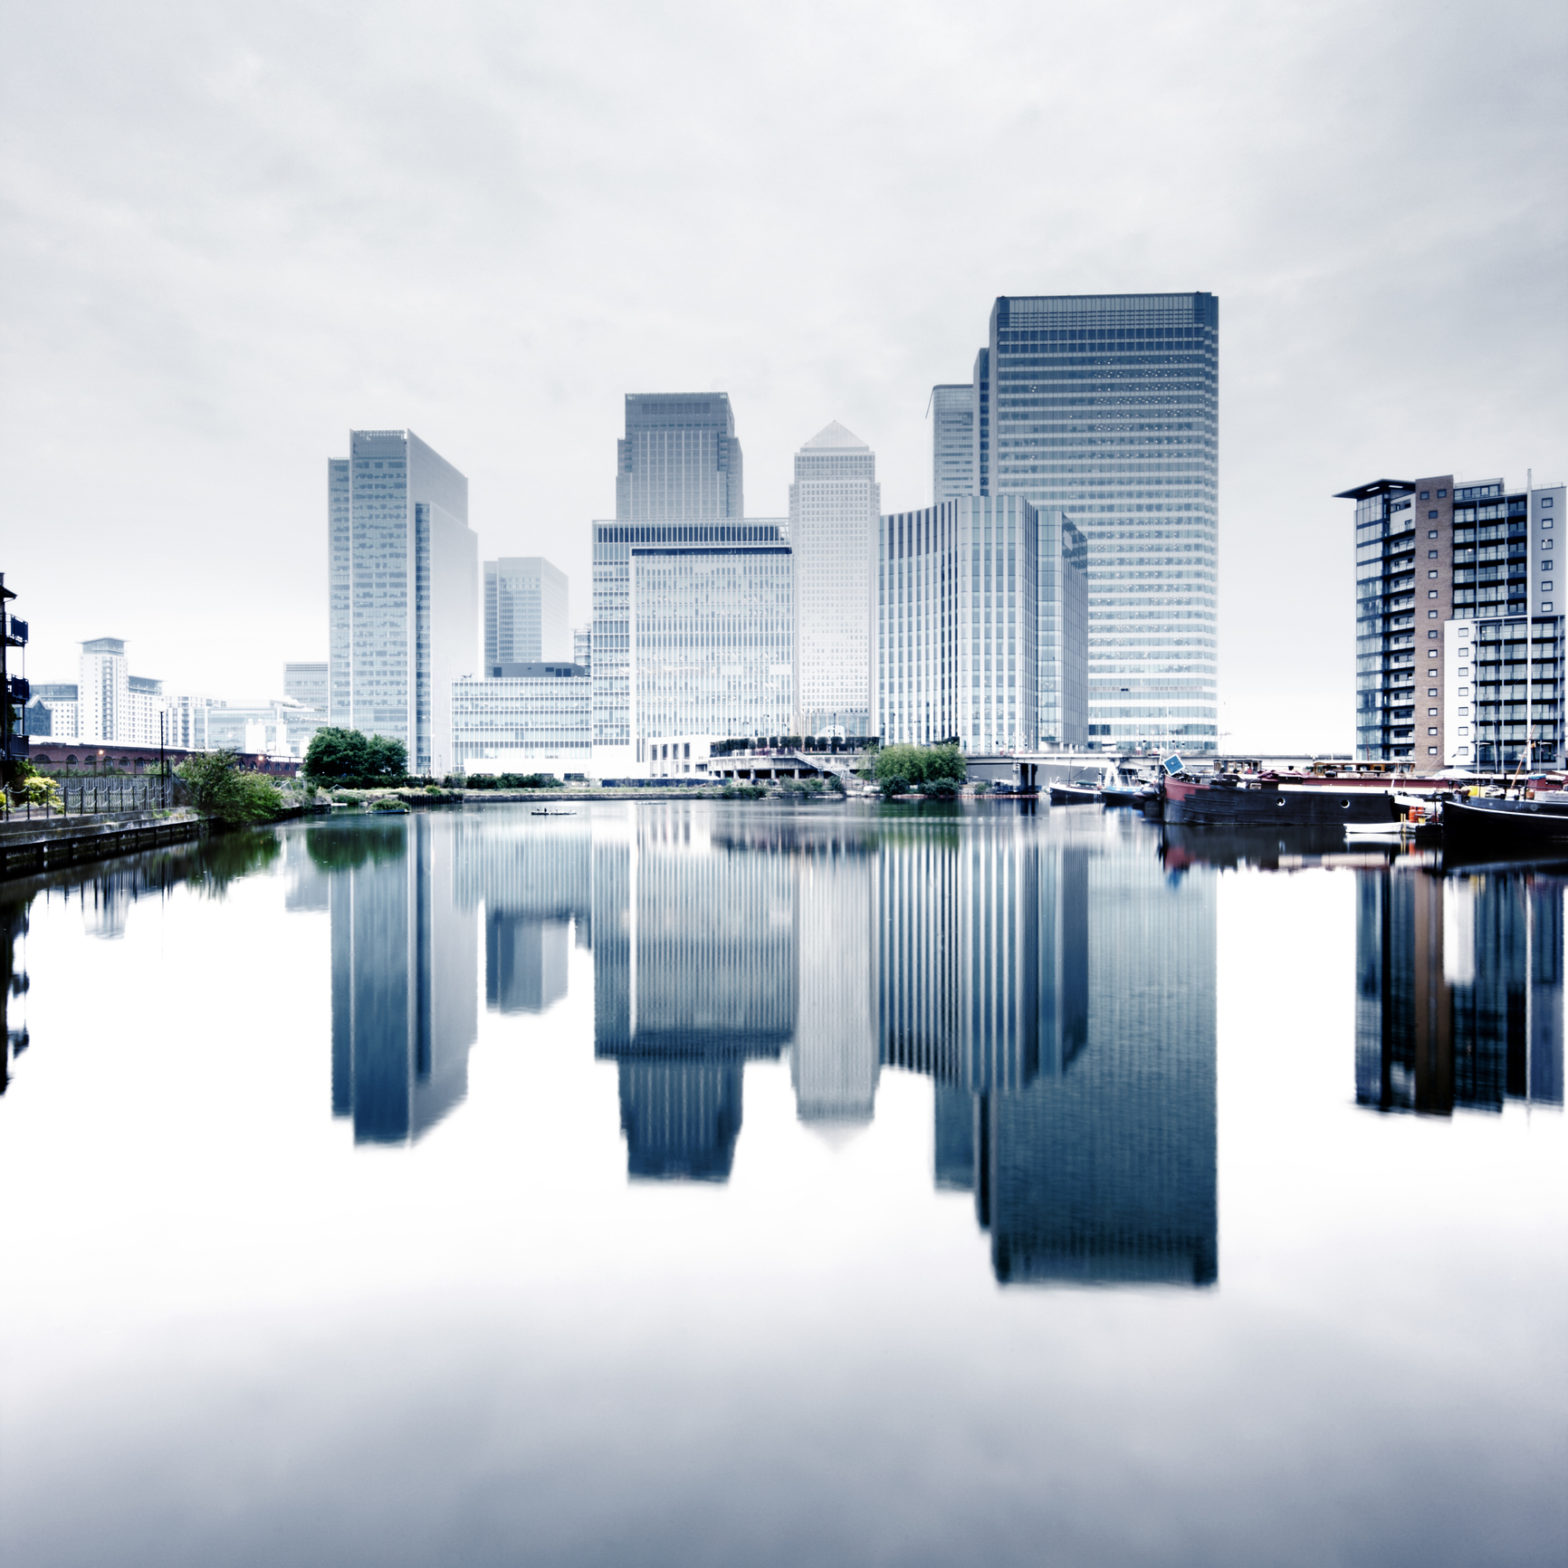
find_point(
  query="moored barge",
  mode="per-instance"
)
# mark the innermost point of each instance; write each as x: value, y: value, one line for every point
x: 1231, y: 802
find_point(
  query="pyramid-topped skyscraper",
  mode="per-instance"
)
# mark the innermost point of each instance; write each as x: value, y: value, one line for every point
x: 834, y: 503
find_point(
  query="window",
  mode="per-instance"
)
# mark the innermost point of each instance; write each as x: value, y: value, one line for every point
x: 1431, y: 615
x: 1426, y: 495
x: 1441, y: 494
x: 1464, y: 691
x: 1431, y: 533
x: 1464, y: 713
x: 1431, y: 672
x: 1546, y: 607
x: 1546, y: 502
x: 1464, y: 729
x: 1431, y: 514
x: 1431, y: 593
x: 1431, y: 691
x: 1432, y: 574
x: 1431, y: 751
x: 1431, y: 713
x: 1431, y: 555
x: 1431, y: 729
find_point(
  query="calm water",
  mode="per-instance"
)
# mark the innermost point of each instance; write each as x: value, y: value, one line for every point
x: 706, y: 1184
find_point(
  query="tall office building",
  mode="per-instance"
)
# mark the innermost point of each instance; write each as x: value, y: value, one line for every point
x: 711, y: 640
x: 1459, y: 630
x: 306, y: 684
x: 678, y: 481
x: 403, y: 573
x: 982, y: 625
x: 834, y: 504
x: 679, y: 461
x: 952, y: 442
x: 1107, y: 407
x: 525, y: 612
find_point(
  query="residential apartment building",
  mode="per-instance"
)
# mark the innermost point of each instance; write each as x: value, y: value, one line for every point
x: 112, y: 704
x: 834, y: 504
x: 403, y: 592
x: 52, y: 710
x: 525, y: 612
x: 982, y: 625
x: 1459, y: 629
x: 523, y: 718
x: 1106, y: 407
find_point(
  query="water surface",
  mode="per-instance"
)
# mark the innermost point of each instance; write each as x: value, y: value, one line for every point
x: 702, y: 1183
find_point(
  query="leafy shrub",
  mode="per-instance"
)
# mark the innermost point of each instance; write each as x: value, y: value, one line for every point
x: 933, y: 771
x: 511, y: 781
x: 352, y: 759
x: 222, y: 792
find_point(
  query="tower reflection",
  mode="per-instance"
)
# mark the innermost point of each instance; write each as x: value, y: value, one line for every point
x: 1459, y: 990
x: 404, y: 975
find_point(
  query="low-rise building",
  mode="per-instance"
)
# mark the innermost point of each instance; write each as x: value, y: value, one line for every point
x: 523, y: 718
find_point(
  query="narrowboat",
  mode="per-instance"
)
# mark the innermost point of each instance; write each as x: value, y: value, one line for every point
x: 1480, y: 820
x: 1236, y: 803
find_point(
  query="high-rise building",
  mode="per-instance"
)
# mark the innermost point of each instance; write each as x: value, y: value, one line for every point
x: 525, y: 612
x: 582, y: 645
x: 1459, y: 630
x: 711, y: 640
x: 678, y: 481
x: 982, y: 625
x: 404, y: 592
x: 52, y: 709
x: 679, y: 461
x: 1107, y: 408
x: 834, y: 503
x: 104, y: 688
x: 306, y: 684
x: 612, y: 585
x: 952, y: 442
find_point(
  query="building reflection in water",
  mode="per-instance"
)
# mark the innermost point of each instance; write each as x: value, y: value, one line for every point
x: 1459, y: 990
x: 695, y: 973
x: 404, y: 975
x: 1061, y: 993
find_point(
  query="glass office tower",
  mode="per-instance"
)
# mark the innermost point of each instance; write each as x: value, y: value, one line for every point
x: 834, y: 503
x: 403, y: 592
x: 952, y: 442
x: 679, y: 461
x: 1107, y: 406
x: 525, y: 612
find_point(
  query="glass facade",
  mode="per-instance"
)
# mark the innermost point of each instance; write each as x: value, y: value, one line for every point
x: 523, y: 718
x: 952, y: 442
x: 679, y: 460
x: 612, y: 555
x: 960, y: 621
x: 1107, y: 406
x: 403, y: 592
x: 834, y: 504
x: 525, y: 611
x: 712, y: 639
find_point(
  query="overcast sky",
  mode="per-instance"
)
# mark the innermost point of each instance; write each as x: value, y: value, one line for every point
x: 233, y: 232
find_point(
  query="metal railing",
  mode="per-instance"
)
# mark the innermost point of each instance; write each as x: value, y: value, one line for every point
x: 100, y: 795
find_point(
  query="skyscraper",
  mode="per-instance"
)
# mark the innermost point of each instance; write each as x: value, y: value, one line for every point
x: 678, y: 482
x: 952, y: 442
x: 679, y: 461
x: 525, y: 612
x: 1107, y: 406
x: 981, y: 625
x: 834, y: 504
x: 403, y: 574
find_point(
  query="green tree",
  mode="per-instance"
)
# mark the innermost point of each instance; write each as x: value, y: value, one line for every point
x: 222, y: 792
x: 936, y: 771
x: 349, y: 757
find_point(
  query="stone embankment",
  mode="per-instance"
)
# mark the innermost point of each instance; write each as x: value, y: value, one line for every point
x: 41, y: 844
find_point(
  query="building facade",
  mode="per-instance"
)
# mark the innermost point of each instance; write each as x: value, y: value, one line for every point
x: 525, y: 612
x: 52, y: 710
x: 582, y: 645
x: 1457, y: 577
x: 834, y: 504
x: 960, y: 622
x: 712, y: 635
x: 1107, y: 407
x: 306, y: 684
x: 612, y: 573
x: 403, y: 592
x: 953, y: 442
x: 679, y: 461
x: 104, y: 691
x: 523, y: 718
